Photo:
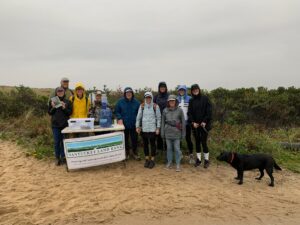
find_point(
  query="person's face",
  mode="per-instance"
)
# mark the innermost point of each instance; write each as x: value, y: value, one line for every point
x: 98, y: 98
x: 162, y: 89
x: 172, y: 103
x: 129, y: 95
x: 148, y: 100
x: 65, y: 84
x: 79, y: 92
x: 60, y: 93
x: 196, y: 91
x: 181, y: 92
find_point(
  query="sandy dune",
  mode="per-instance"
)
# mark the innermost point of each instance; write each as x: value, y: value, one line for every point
x: 37, y: 192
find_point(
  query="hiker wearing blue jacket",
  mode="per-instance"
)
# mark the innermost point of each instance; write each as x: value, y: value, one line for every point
x: 183, y: 102
x: 126, y: 111
x: 148, y: 123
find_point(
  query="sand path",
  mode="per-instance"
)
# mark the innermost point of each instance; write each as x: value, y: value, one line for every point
x: 38, y: 192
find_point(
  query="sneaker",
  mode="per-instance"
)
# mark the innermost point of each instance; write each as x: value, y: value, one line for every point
x: 147, y: 163
x: 152, y: 164
x: 178, y: 168
x: 136, y: 157
x: 197, y: 163
x: 191, y: 159
x: 206, y: 164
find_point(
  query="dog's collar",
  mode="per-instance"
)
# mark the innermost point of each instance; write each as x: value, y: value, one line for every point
x: 232, y: 157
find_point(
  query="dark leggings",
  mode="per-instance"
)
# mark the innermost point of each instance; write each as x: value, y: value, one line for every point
x: 201, y: 139
x: 134, y: 139
x: 149, y: 137
x: 188, y: 138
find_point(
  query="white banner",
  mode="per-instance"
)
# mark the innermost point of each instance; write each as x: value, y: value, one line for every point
x: 95, y: 150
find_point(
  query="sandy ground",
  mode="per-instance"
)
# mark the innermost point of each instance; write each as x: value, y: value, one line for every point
x: 38, y: 192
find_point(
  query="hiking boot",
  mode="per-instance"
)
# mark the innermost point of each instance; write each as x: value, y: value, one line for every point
x: 147, y: 163
x: 152, y: 164
x: 191, y: 159
x: 57, y: 162
x: 197, y: 163
x: 63, y: 161
x: 178, y: 168
x: 206, y: 164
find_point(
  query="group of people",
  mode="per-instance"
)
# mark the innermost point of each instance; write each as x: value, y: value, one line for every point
x: 162, y: 121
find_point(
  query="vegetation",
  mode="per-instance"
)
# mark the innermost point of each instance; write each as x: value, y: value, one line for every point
x: 245, y: 120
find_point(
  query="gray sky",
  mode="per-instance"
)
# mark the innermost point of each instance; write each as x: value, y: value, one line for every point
x: 227, y: 43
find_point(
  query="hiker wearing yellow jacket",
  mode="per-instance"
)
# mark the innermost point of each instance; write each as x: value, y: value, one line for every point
x: 81, y: 103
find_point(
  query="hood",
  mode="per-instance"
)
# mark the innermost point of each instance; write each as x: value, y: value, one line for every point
x: 79, y: 85
x: 173, y: 97
x: 127, y: 89
x: 182, y: 87
x: 195, y: 86
x: 148, y: 93
x: 162, y: 84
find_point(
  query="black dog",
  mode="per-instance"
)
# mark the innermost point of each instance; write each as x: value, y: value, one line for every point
x: 242, y: 162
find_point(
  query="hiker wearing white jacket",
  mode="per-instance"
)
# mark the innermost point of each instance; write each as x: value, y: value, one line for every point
x: 148, y: 125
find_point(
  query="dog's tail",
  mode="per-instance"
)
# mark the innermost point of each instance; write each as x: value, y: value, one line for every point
x: 276, y: 166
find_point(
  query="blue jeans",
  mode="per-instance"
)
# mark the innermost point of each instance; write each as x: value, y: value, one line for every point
x: 173, y: 144
x: 58, y: 142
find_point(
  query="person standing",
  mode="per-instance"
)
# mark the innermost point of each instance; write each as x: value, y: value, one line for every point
x: 96, y: 108
x: 173, y: 130
x: 59, y: 120
x: 126, y: 112
x: 64, y: 83
x: 161, y: 99
x: 200, y: 117
x: 148, y: 123
x: 183, y: 98
x: 81, y: 103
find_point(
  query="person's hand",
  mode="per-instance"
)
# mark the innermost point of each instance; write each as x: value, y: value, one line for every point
x: 203, y: 124
x: 138, y: 130
x: 52, y: 104
x: 63, y: 105
x: 120, y: 122
x: 196, y: 125
x: 157, y: 131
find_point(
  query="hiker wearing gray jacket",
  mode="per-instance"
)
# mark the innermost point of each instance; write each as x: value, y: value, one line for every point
x: 173, y: 130
x: 148, y: 123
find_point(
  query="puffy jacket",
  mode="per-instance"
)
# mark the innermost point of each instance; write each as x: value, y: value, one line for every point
x: 183, y: 101
x: 173, y: 123
x: 127, y: 110
x: 81, y: 106
x: 148, y: 118
x: 200, y: 110
x: 60, y: 116
x: 161, y: 99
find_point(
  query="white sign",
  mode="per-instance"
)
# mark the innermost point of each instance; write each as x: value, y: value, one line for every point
x: 94, y: 151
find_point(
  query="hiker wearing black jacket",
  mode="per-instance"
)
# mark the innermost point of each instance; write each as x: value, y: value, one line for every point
x: 161, y: 99
x: 60, y: 114
x: 200, y: 116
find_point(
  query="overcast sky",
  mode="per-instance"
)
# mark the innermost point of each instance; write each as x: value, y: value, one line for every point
x: 216, y: 43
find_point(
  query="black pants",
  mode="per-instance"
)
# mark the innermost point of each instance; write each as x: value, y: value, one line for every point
x: 149, y: 137
x: 134, y: 139
x: 201, y: 139
x: 188, y: 138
